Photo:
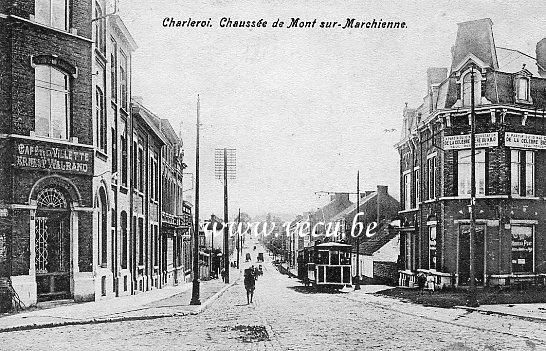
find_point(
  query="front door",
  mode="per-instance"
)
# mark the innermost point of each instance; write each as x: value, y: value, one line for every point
x: 53, y: 254
x: 464, y: 255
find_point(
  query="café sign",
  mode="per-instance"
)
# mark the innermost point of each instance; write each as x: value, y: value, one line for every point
x: 456, y: 142
x: 525, y: 141
x: 55, y: 158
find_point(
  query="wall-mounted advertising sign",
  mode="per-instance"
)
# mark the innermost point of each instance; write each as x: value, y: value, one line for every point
x: 57, y: 158
x: 456, y: 142
x: 525, y: 141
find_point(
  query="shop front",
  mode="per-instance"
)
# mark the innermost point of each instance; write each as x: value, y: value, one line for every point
x: 51, y: 216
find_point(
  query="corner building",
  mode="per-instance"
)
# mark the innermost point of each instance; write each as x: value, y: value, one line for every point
x: 46, y: 149
x: 510, y: 101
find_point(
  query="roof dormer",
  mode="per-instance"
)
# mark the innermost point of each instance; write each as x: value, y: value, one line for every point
x: 522, y: 86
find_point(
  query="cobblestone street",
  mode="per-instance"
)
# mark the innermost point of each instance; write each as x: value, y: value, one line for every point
x: 287, y: 316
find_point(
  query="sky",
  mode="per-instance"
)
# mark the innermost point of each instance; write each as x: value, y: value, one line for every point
x: 305, y: 108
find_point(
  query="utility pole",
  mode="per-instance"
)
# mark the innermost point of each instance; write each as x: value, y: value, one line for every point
x: 238, y: 238
x: 472, y: 302
x: 212, y: 254
x: 226, y: 227
x: 357, y: 284
x: 224, y: 167
x: 195, y: 292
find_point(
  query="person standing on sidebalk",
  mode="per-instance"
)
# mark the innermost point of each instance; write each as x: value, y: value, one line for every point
x: 250, y: 284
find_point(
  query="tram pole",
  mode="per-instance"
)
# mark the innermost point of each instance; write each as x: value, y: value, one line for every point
x: 357, y: 283
x: 472, y: 301
x: 195, y: 291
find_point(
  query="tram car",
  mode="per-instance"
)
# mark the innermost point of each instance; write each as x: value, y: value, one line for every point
x: 325, y: 266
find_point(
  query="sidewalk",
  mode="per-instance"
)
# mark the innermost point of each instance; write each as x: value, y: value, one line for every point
x: 169, y: 301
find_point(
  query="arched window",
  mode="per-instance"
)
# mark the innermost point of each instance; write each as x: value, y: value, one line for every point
x: 51, y: 198
x: 103, y: 227
x: 99, y: 29
x: 466, y: 90
x: 52, y: 13
x: 51, y: 102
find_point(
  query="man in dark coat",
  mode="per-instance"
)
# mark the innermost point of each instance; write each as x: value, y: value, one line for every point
x: 250, y: 285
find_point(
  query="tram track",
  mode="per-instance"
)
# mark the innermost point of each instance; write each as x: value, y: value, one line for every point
x: 429, y: 318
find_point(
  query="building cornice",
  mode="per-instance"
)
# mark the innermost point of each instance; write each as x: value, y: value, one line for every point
x: 51, y: 28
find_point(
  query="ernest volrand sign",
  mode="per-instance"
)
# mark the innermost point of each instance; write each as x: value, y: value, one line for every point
x: 56, y: 158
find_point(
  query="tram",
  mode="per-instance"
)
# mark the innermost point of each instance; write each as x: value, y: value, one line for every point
x: 326, y: 265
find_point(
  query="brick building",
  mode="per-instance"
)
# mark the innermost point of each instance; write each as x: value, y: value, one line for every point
x: 176, y: 221
x: 148, y: 142
x: 46, y: 149
x: 510, y: 100
x: 113, y: 46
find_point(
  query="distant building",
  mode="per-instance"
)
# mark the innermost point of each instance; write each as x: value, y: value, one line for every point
x: 378, y: 208
x: 510, y: 100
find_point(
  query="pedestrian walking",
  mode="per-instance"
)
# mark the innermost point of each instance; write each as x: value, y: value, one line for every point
x: 223, y: 273
x: 250, y: 284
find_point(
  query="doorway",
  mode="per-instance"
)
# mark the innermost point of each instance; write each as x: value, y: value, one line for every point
x: 52, y: 230
x: 464, y: 254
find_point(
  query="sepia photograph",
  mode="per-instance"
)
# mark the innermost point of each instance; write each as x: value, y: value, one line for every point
x: 273, y: 175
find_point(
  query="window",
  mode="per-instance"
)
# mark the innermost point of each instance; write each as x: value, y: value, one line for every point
x: 416, y: 186
x: 152, y: 177
x: 141, y: 179
x: 407, y: 190
x: 51, y: 102
x: 123, y: 81
x: 100, y: 117
x: 522, y: 249
x: 114, y: 71
x: 135, y: 164
x: 464, y: 169
x: 431, y: 186
x: 156, y: 179
x: 114, y: 142
x: 124, y: 239
x: 141, y: 241
x: 99, y: 29
x: 123, y: 145
x: 53, y: 13
x: 466, y: 90
x: 522, y: 172
x: 432, y: 247
x: 523, y: 88
x: 156, y: 245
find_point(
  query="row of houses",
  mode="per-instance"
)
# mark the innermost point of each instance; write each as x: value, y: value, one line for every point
x: 91, y: 197
x: 428, y: 232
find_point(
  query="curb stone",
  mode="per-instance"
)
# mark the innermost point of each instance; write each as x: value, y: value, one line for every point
x: 197, y: 311
x: 527, y: 318
x: 213, y: 298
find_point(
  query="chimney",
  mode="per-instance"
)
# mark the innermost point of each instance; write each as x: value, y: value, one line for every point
x: 541, y: 57
x: 339, y: 197
x: 382, y: 193
x: 138, y: 99
x: 435, y: 75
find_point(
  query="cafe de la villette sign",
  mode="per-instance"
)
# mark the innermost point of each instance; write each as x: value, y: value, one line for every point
x: 57, y: 158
